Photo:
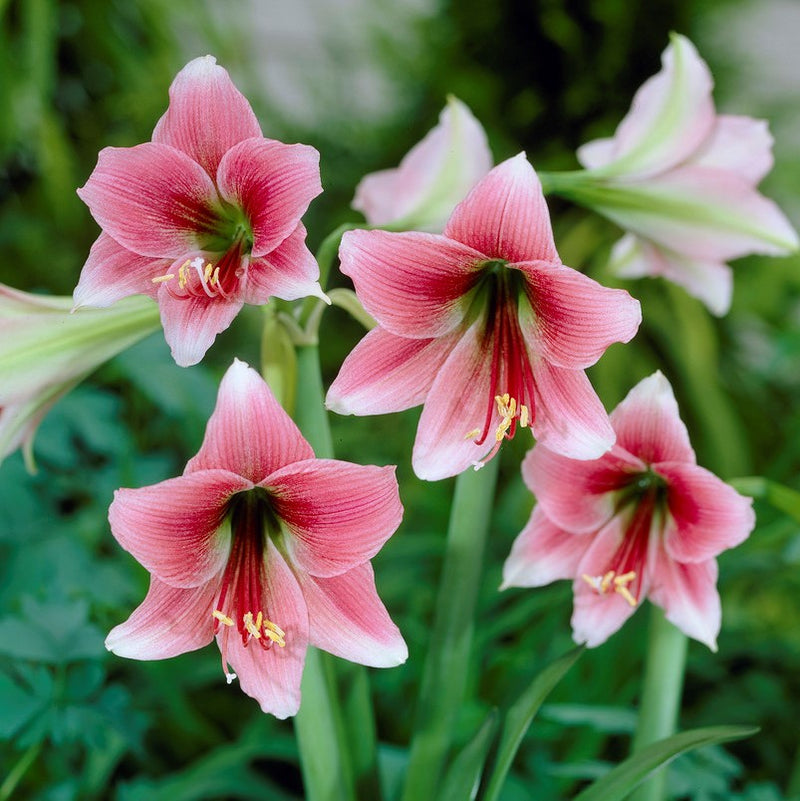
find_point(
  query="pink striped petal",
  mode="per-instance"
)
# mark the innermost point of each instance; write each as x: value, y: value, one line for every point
x: 569, y: 418
x: 289, y: 272
x: 348, y: 619
x: 151, y: 199
x: 168, y: 622
x: 249, y: 433
x: 688, y: 595
x: 112, y: 272
x: 191, y: 323
x: 574, y: 319
x: 543, y: 553
x: 505, y: 216
x: 413, y: 284
x: 339, y: 514
x: 385, y: 373
x: 648, y: 423
x: 273, y: 184
x: 706, y: 515
x: 207, y: 114
x: 579, y: 495
x: 739, y: 144
x: 272, y: 675
x: 175, y: 528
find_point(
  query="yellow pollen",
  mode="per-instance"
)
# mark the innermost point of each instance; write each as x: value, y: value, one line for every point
x: 275, y: 633
x: 159, y: 279
x: 224, y: 619
x: 247, y: 619
x: 183, y: 274
x: 605, y: 582
x: 207, y: 272
x: 507, y: 407
x: 523, y: 415
x: 215, y: 277
x: 609, y: 581
x: 472, y: 434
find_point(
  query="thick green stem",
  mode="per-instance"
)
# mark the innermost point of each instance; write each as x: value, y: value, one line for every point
x: 661, y: 695
x: 446, y: 668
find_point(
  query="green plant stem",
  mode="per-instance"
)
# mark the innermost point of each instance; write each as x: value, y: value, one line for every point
x: 446, y: 668
x: 661, y: 695
x: 16, y: 773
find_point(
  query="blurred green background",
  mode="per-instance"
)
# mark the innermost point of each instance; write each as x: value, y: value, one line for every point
x: 363, y: 80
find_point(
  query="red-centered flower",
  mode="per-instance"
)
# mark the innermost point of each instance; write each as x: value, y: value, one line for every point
x: 483, y: 325
x: 262, y: 546
x: 641, y: 521
x: 205, y: 218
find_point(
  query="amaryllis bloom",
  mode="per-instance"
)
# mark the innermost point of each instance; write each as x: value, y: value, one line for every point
x: 643, y: 520
x: 484, y: 326
x: 263, y: 547
x: 45, y: 351
x: 433, y: 176
x: 204, y: 218
x: 681, y: 179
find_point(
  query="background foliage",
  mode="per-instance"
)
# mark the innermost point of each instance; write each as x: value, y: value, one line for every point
x: 362, y: 81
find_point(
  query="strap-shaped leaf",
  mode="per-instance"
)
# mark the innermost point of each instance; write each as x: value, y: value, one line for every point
x: 464, y: 774
x: 783, y: 498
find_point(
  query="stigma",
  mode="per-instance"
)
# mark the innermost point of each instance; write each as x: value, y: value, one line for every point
x: 611, y: 582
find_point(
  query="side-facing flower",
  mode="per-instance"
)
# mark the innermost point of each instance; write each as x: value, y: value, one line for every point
x: 484, y: 326
x: 681, y: 179
x: 204, y: 218
x: 643, y: 520
x: 262, y: 546
x: 433, y: 176
x: 45, y: 351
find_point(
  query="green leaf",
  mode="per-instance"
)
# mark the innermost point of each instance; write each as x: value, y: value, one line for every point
x: 618, y: 782
x: 519, y: 716
x: 781, y: 497
x: 464, y: 775
x: 18, y: 706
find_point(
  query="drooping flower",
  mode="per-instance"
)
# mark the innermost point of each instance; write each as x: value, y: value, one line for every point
x: 45, y: 351
x: 643, y: 520
x: 484, y: 326
x: 262, y: 546
x: 681, y: 180
x: 433, y: 176
x: 204, y: 218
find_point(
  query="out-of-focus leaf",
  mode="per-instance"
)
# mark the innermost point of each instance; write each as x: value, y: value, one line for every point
x: 463, y: 777
x: 781, y: 497
x: 18, y: 706
x: 610, y: 719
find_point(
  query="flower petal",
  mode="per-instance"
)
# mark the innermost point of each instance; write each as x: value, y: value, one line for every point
x: 385, y: 373
x: 739, y: 144
x: 273, y: 184
x: 207, y: 114
x: 574, y: 319
x: 168, y: 622
x: 175, y: 528
x: 272, y: 675
x: 688, y: 594
x: 339, y: 514
x: 648, y: 423
x: 152, y: 199
x: 249, y: 433
x: 413, y: 284
x: 348, y: 619
x: 597, y: 153
x: 505, y: 216
x: 543, y: 553
x: 706, y: 515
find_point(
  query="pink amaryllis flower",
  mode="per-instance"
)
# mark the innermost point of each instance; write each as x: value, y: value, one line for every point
x: 681, y: 179
x: 262, y: 546
x: 643, y: 520
x: 204, y: 218
x: 485, y: 326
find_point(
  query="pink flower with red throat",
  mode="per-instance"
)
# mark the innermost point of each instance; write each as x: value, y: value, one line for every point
x: 204, y: 218
x: 643, y: 520
x: 484, y: 326
x: 262, y: 546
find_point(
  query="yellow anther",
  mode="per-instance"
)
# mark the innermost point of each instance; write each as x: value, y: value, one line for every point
x: 247, y: 619
x: 472, y: 434
x: 159, y: 279
x: 602, y: 584
x: 268, y: 624
x: 183, y: 273
x: 259, y: 618
x: 523, y: 415
x: 625, y: 579
x: 223, y: 618
x: 626, y: 594
x: 592, y: 581
x: 507, y: 408
x: 207, y: 272
x: 215, y: 277
x: 605, y: 582
x: 275, y: 633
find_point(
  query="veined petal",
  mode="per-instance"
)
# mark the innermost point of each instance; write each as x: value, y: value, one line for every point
x: 648, y: 423
x: 505, y: 216
x: 574, y: 319
x: 272, y: 675
x: 175, y: 528
x: 168, y: 622
x: 706, y: 515
x: 207, y: 114
x: 543, y: 553
x: 739, y: 144
x: 248, y: 433
x: 151, y: 199
x: 578, y: 495
x: 273, y: 184
x: 113, y: 272
x: 348, y: 619
x: 339, y: 514
x: 385, y: 373
x: 688, y: 595
x: 413, y: 284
